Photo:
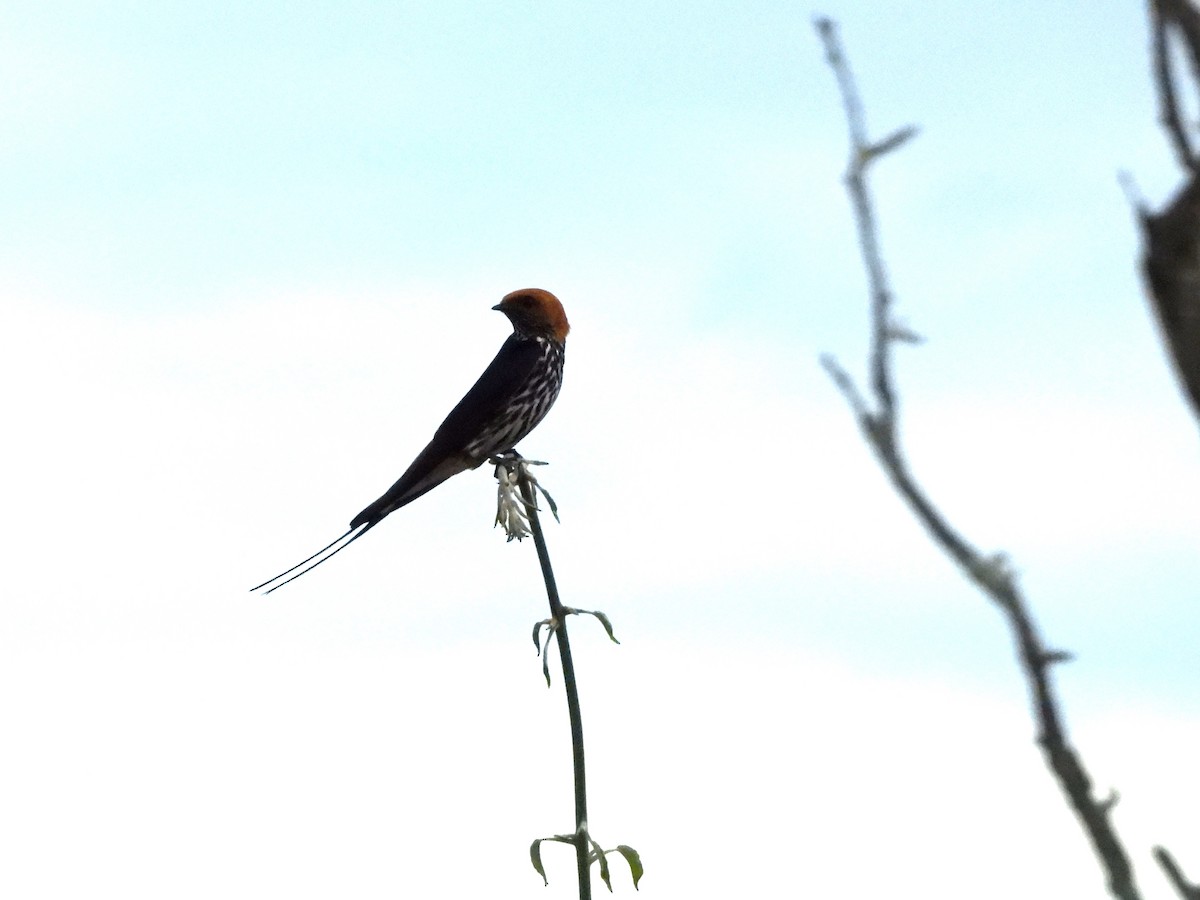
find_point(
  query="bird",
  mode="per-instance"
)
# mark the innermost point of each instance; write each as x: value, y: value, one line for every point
x: 511, y: 397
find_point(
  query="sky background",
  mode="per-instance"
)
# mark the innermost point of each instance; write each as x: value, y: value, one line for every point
x: 247, y: 255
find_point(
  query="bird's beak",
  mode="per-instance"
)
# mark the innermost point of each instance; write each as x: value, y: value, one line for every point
x: 499, y: 307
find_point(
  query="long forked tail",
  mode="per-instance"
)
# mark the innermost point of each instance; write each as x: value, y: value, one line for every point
x: 320, y: 556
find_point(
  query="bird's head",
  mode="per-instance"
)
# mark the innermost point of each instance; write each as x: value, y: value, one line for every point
x: 535, y: 313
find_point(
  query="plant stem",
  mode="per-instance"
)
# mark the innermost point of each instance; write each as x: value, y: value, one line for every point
x: 559, y: 623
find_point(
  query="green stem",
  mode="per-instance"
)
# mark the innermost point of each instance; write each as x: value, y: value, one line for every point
x: 559, y: 622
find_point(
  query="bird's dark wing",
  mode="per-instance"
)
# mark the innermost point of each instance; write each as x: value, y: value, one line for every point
x: 445, y: 456
x: 490, y: 394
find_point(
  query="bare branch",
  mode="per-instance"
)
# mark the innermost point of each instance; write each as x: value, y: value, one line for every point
x: 1171, y: 262
x: 991, y: 573
x: 1171, y: 258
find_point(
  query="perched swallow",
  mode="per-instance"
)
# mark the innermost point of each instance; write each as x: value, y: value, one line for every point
x: 510, y: 398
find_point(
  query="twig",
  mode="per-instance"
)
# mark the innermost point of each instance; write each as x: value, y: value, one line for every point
x: 861, y: 156
x: 992, y: 574
x: 1164, y: 13
x: 1186, y: 889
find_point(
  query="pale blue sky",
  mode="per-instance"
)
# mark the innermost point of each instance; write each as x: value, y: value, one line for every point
x: 247, y: 255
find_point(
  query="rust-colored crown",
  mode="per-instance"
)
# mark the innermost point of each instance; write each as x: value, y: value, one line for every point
x: 535, y: 312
